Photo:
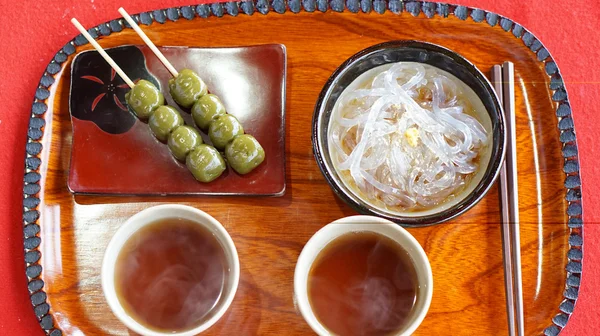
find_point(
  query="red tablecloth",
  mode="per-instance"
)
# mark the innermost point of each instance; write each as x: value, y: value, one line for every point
x: 32, y: 31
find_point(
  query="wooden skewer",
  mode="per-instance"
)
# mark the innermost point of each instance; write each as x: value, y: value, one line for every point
x: 103, y: 53
x: 144, y: 37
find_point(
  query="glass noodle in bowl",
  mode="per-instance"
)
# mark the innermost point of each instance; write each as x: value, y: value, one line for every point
x: 422, y: 162
x: 409, y: 138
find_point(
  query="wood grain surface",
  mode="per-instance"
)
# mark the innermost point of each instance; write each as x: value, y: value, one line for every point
x: 269, y: 233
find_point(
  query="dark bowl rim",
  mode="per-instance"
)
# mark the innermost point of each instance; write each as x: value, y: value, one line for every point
x: 483, y: 187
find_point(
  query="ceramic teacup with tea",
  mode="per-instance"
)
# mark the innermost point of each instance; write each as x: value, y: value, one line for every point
x: 363, y: 275
x: 170, y: 270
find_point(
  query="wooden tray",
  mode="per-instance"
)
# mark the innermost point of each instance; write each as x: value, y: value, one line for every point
x: 65, y: 236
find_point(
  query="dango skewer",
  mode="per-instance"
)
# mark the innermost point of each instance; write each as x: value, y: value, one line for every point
x: 184, y: 142
x: 243, y: 151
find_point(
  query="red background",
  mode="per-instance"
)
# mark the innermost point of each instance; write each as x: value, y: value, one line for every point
x: 32, y: 31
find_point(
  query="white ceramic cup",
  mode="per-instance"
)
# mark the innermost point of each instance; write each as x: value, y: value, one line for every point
x: 363, y: 224
x: 149, y: 216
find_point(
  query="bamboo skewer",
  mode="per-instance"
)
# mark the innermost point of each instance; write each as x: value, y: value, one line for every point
x: 151, y: 45
x: 103, y: 53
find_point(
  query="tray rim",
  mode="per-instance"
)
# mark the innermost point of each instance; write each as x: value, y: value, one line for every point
x: 35, y: 133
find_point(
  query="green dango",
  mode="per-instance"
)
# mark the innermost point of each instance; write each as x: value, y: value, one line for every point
x: 223, y: 129
x: 205, y: 163
x: 163, y: 121
x: 244, y: 153
x: 182, y: 140
x: 144, y: 98
x: 187, y: 88
x: 206, y: 109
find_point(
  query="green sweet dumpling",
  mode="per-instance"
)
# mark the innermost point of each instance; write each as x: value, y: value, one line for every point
x: 205, y: 163
x: 187, y: 88
x: 144, y: 98
x: 182, y: 140
x: 206, y: 109
x: 223, y: 129
x: 163, y: 121
x: 244, y: 153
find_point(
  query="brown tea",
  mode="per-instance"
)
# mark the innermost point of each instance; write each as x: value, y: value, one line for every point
x: 170, y: 274
x: 362, y: 283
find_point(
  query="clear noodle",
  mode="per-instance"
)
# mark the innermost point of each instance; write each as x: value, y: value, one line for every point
x: 407, y: 138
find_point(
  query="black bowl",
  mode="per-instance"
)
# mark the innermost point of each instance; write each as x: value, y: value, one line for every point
x: 408, y: 51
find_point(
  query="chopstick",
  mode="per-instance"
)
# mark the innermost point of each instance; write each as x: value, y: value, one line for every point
x: 513, y: 190
x: 504, y: 84
x: 506, y: 246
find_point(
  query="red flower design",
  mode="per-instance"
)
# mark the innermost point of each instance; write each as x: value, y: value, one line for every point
x: 110, y: 87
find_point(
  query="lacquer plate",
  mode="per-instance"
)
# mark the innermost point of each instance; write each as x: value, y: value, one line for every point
x: 113, y: 152
x: 66, y: 234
